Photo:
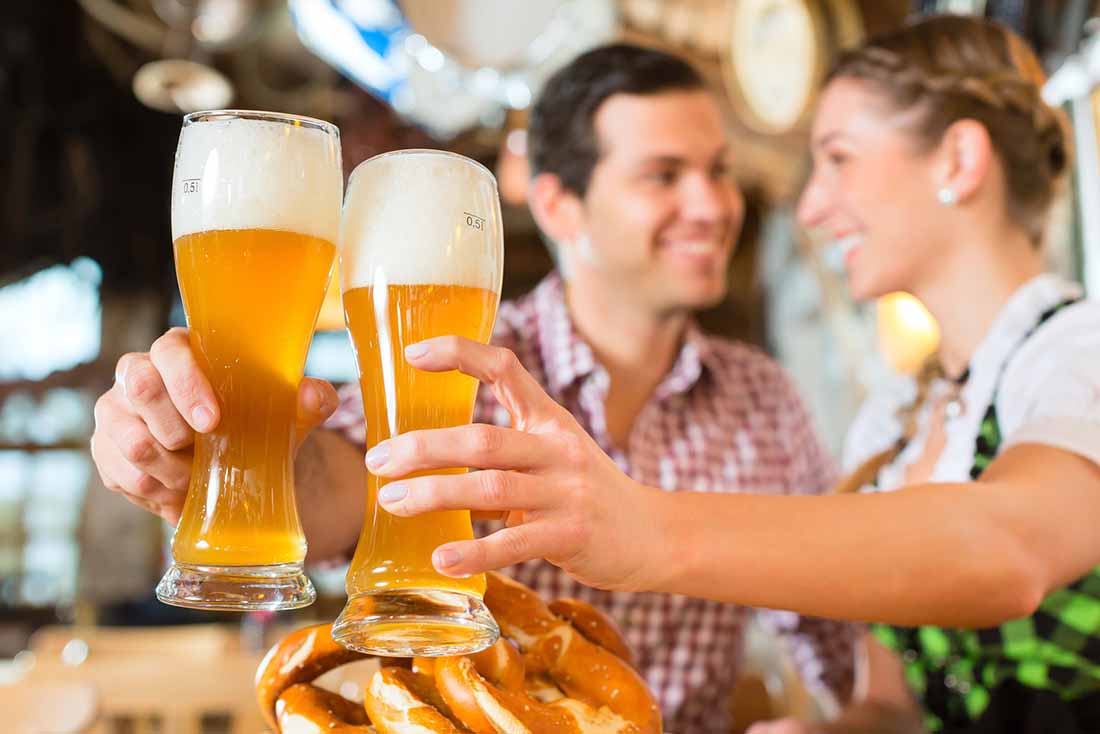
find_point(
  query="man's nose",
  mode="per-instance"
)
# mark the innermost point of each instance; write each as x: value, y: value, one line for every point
x: 709, y: 199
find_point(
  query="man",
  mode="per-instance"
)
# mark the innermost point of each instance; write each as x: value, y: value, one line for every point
x: 630, y: 184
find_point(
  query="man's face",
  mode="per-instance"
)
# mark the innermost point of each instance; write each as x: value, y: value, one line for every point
x: 661, y: 212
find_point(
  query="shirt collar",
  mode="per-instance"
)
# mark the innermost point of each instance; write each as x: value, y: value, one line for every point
x: 569, y: 358
x: 1019, y: 316
x: 696, y: 354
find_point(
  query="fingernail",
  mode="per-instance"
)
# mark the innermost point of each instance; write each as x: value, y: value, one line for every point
x: 201, y: 418
x: 446, y: 557
x: 378, y: 456
x: 416, y: 350
x: 393, y: 492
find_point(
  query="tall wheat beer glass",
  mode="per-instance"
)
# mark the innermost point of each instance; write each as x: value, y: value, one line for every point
x: 255, y: 217
x: 421, y: 254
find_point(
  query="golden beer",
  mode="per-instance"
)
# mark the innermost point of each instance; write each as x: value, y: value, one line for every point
x: 251, y: 300
x: 421, y: 254
x: 255, y: 215
x: 396, y: 552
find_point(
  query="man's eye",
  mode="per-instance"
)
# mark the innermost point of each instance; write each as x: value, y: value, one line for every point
x: 664, y: 177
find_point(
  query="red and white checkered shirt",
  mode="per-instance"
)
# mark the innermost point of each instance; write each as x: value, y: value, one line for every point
x: 725, y: 419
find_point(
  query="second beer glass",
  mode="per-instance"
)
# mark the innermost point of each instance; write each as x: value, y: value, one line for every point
x: 421, y: 255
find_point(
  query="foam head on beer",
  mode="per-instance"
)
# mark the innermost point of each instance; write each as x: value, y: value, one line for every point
x: 246, y: 174
x: 421, y: 217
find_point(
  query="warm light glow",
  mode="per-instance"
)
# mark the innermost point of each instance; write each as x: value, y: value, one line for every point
x: 907, y: 332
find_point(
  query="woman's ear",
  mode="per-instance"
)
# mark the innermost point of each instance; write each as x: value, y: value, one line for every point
x: 964, y: 160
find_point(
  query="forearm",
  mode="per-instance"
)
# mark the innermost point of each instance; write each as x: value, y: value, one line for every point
x: 927, y: 555
x: 330, y: 484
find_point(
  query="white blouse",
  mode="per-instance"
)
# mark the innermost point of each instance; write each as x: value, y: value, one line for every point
x: 1049, y: 390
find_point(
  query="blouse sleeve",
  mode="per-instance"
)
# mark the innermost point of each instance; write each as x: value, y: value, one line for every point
x: 1050, y: 392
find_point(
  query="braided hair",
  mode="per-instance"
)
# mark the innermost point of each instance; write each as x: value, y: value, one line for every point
x: 947, y: 68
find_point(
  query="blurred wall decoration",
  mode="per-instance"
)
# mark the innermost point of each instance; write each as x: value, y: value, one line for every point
x: 1075, y: 85
x: 448, y: 65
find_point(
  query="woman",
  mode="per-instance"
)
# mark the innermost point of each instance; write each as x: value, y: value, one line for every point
x: 935, y: 162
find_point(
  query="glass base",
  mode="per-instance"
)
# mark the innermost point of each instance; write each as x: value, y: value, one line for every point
x: 237, y: 588
x: 415, y: 623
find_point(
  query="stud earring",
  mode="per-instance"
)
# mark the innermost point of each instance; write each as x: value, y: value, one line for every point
x: 947, y: 196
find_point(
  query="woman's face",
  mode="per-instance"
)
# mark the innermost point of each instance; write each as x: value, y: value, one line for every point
x: 873, y: 191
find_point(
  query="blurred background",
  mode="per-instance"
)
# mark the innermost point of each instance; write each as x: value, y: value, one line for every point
x: 93, y: 92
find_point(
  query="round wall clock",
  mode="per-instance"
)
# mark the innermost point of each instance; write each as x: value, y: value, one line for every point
x: 777, y: 55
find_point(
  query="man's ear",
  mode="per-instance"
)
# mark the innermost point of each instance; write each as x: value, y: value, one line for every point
x: 558, y: 212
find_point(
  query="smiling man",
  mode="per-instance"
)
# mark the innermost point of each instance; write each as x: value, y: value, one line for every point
x: 632, y: 188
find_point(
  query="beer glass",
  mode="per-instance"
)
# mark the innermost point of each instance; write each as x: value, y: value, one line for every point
x: 421, y: 256
x: 255, y: 217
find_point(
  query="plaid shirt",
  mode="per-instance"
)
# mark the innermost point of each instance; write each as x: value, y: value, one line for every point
x: 725, y: 418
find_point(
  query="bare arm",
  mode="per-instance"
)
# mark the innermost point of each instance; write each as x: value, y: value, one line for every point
x: 972, y: 554
x: 960, y: 555
x: 330, y: 484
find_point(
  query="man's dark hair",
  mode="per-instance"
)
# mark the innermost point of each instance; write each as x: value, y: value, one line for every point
x: 561, y: 135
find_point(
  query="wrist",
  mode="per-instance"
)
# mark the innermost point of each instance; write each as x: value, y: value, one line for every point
x: 664, y: 542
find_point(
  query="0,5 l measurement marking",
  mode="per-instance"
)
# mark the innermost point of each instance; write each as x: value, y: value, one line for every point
x: 190, y: 185
x: 474, y: 221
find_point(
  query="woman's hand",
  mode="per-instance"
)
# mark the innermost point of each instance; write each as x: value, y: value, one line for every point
x: 565, y: 499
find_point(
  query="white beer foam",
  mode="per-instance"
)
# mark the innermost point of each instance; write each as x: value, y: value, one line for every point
x: 256, y: 174
x: 421, y: 217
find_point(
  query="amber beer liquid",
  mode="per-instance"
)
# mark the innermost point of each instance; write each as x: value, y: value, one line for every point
x: 250, y: 328
x: 395, y: 552
x: 255, y: 212
x: 421, y: 255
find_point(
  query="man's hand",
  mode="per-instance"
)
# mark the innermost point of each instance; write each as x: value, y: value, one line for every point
x: 145, y: 424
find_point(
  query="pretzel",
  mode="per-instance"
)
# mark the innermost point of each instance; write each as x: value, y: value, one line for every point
x: 299, y: 658
x: 397, y: 703
x: 558, y: 668
x: 593, y: 624
x: 307, y: 709
x: 582, y: 669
